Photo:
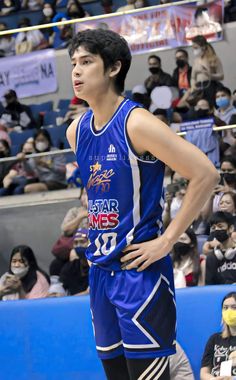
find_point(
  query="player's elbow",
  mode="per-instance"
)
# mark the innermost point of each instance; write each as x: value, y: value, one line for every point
x: 210, y: 176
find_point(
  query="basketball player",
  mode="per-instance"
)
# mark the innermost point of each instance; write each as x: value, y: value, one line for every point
x: 121, y: 150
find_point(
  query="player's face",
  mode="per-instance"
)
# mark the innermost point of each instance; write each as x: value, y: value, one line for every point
x: 88, y: 77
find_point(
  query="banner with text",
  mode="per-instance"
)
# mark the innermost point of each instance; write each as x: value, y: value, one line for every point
x: 164, y: 27
x: 29, y: 74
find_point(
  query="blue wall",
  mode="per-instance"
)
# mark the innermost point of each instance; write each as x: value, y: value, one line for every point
x: 52, y: 339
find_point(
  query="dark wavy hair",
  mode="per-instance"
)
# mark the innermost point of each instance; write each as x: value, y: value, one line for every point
x: 110, y: 46
x: 226, y: 331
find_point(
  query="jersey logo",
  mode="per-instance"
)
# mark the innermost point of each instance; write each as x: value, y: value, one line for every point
x: 111, y: 156
x: 100, y: 179
x: 111, y: 149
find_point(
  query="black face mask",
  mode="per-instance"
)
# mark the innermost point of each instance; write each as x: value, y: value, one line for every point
x: 154, y: 70
x: 180, y: 63
x: 202, y: 113
x: 80, y: 252
x: 220, y: 235
x: 230, y: 178
x: 182, y: 249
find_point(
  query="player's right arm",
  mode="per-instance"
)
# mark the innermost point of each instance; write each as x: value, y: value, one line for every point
x: 71, y: 133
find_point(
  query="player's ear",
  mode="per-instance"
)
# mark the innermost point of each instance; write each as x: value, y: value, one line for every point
x: 114, y: 70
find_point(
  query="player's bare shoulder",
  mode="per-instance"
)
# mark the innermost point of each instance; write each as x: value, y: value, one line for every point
x: 71, y: 133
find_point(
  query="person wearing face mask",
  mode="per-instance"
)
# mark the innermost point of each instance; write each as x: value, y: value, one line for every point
x: 182, y: 73
x: 207, y: 69
x: 221, y: 346
x: 16, y: 115
x: 50, y: 170
x: 48, y: 12
x: 74, y: 274
x: 75, y: 10
x: 20, y: 174
x: 185, y: 258
x: 158, y: 77
x: 24, y: 279
x: 225, y: 110
x: 221, y: 260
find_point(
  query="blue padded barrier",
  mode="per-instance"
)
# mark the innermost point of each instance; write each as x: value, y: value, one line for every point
x: 52, y: 339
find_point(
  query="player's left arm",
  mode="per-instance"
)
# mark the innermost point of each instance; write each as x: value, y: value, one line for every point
x: 147, y: 133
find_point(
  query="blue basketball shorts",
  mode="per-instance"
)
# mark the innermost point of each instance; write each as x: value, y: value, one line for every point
x: 134, y: 313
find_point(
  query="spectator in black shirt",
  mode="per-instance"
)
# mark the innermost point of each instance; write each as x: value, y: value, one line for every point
x: 158, y: 77
x: 221, y: 261
x: 221, y: 346
x: 4, y: 166
x: 16, y: 114
x: 182, y: 73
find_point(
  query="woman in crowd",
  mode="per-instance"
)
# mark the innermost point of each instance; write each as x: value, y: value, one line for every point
x: 207, y: 69
x: 186, y: 259
x: 51, y: 170
x: 220, y: 346
x: 5, y: 167
x: 24, y: 279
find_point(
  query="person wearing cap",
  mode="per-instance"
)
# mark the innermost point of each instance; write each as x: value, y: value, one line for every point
x: 16, y: 115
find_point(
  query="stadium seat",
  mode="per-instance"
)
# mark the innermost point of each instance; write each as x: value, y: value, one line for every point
x: 50, y: 118
x: 18, y: 138
x: 63, y: 103
x: 42, y: 107
x: 57, y: 134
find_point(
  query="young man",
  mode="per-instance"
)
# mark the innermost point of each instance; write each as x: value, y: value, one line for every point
x: 121, y: 150
x: 221, y: 261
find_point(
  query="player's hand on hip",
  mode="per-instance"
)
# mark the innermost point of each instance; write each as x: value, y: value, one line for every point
x: 144, y: 254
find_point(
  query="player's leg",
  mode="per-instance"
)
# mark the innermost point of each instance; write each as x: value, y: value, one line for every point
x: 116, y: 368
x: 144, y: 369
x: 106, y: 327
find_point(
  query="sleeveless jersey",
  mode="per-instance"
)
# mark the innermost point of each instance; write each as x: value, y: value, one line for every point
x: 124, y: 190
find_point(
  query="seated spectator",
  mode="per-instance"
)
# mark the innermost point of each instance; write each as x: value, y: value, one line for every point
x: 140, y: 4
x: 20, y: 174
x: 128, y: 7
x: 182, y: 73
x: 185, y: 258
x: 56, y: 288
x: 221, y: 345
x: 7, y: 43
x: 158, y: 77
x: 76, y: 108
x: 48, y: 14
x: 50, y: 170
x: 59, y: 32
x: 32, y: 5
x: 75, y: 10
x: 5, y: 167
x: 74, y: 274
x: 16, y: 115
x: 139, y: 95
x: 9, y: 6
x: 228, y: 171
x: 24, y: 279
x: 107, y: 5
x: 76, y: 217
x: 31, y: 40
x: 225, y: 111
x: 221, y: 259
x: 207, y: 69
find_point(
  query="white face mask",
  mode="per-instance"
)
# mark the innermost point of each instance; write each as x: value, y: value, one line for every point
x: 47, y: 12
x: 20, y: 272
x: 197, y: 52
x: 41, y: 146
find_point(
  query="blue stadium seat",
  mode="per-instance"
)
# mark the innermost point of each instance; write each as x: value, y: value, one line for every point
x: 18, y: 138
x: 57, y: 134
x: 63, y: 103
x: 42, y: 107
x: 50, y: 118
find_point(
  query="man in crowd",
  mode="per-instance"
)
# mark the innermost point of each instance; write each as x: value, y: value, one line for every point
x: 16, y: 114
x: 158, y: 77
x: 221, y: 261
x: 182, y: 73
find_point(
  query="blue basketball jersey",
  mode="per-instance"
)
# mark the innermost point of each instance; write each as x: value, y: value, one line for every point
x: 125, y: 191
